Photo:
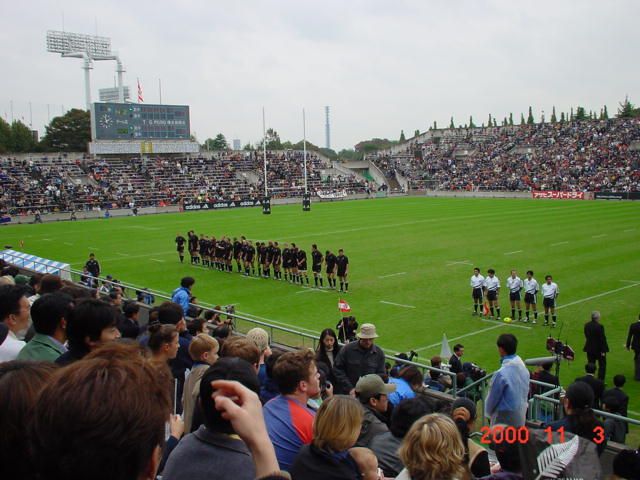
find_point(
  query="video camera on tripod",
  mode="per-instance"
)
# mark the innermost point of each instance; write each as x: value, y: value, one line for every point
x: 560, y: 349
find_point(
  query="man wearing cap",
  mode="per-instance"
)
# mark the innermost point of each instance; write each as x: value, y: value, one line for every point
x: 373, y: 395
x: 357, y: 359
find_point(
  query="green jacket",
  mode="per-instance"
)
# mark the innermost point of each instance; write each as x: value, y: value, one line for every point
x: 41, y: 347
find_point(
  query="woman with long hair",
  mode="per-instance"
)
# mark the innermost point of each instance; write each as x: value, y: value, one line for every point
x: 335, y: 430
x: 432, y: 450
x: 579, y: 417
x: 163, y: 343
x: 327, y: 351
x: 463, y: 412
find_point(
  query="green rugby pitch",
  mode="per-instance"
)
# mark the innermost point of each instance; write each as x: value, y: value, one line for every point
x: 410, y: 263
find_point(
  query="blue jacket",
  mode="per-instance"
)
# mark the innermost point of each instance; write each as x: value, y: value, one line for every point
x: 181, y: 296
x: 507, y: 399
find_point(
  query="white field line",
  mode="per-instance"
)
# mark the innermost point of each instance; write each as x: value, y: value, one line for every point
x: 397, y: 304
x: 476, y: 332
x: 609, y: 292
x: 311, y: 289
x: 123, y: 254
x: 46, y: 240
x: 599, y: 236
x: 630, y: 230
x: 630, y: 281
x: 463, y: 262
x: 249, y: 277
x: 393, y: 275
x: 515, y: 251
x: 498, y: 322
x: 559, y: 243
x: 156, y: 260
x: 143, y: 255
x: 67, y: 243
x: 94, y: 248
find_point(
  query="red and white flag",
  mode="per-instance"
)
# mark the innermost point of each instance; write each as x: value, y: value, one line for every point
x: 343, y: 306
x: 140, y: 99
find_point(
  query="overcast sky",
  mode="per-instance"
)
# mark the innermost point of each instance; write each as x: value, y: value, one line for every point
x: 382, y: 66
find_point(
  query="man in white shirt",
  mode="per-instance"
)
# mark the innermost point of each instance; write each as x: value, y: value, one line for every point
x: 492, y: 289
x: 477, y: 282
x: 14, y: 313
x: 550, y: 293
x: 531, y: 289
x: 514, y: 284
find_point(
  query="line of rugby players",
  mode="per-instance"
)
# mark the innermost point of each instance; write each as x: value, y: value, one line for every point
x: 261, y: 258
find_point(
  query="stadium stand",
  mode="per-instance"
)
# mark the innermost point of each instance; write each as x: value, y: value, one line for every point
x: 575, y: 156
x: 55, y: 184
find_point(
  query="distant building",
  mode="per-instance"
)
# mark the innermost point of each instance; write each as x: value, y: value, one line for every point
x: 237, y: 145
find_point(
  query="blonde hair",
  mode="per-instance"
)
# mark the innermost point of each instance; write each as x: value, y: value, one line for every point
x: 260, y: 337
x: 432, y: 449
x: 337, y: 423
x: 201, y: 344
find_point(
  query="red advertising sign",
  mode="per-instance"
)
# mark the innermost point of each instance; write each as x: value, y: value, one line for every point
x: 558, y: 195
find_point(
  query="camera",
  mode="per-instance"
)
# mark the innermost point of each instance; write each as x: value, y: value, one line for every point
x: 473, y: 371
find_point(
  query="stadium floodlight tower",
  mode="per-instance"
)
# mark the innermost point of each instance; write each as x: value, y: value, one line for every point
x: 90, y: 48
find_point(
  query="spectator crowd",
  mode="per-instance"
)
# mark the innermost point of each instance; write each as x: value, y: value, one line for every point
x: 86, y: 391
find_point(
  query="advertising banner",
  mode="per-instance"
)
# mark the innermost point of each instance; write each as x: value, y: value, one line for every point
x: 558, y: 195
x: 617, y: 195
x: 223, y: 204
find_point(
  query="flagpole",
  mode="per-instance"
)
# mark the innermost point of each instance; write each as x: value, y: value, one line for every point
x: 264, y: 152
x: 304, y: 147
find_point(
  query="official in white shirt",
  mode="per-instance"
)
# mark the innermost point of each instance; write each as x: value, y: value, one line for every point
x: 531, y: 289
x: 492, y: 289
x: 514, y: 284
x: 549, y: 294
x: 477, y: 283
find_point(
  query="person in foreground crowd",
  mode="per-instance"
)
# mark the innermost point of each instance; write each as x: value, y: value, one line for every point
x: 49, y: 314
x: 327, y: 351
x: 128, y: 325
x: 91, y: 324
x: 509, y: 459
x: 463, y: 412
x: 596, y: 346
x: 596, y: 384
x: 20, y: 385
x: 335, y: 430
x: 163, y: 343
x: 14, y: 313
x: 507, y: 399
x: 626, y: 465
x: 102, y: 418
x: 260, y: 337
x: 357, y: 359
x: 204, y: 353
x: 373, y: 394
x: 213, y: 452
x: 432, y: 450
x: 289, y: 420
x: 367, y: 463
x: 408, y: 382
x: 182, y: 294
x: 386, y: 445
x: 579, y: 417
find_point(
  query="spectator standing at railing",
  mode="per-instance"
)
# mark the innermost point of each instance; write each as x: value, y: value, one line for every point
x: 182, y: 294
x: 93, y: 267
x: 357, y: 359
x: 507, y: 399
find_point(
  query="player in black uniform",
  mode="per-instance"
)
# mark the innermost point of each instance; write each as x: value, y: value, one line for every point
x: 260, y: 253
x: 316, y: 264
x: 277, y: 261
x: 268, y: 260
x: 263, y: 260
x: 237, y: 253
x: 286, y: 261
x: 228, y: 255
x: 293, y: 262
x: 220, y: 248
x: 343, y: 270
x: 180, y: 241
x: 302, y: 266
x: 193, y: 247
x: 203, y: 249
x: 330, y: 261
x: 249, y: 255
